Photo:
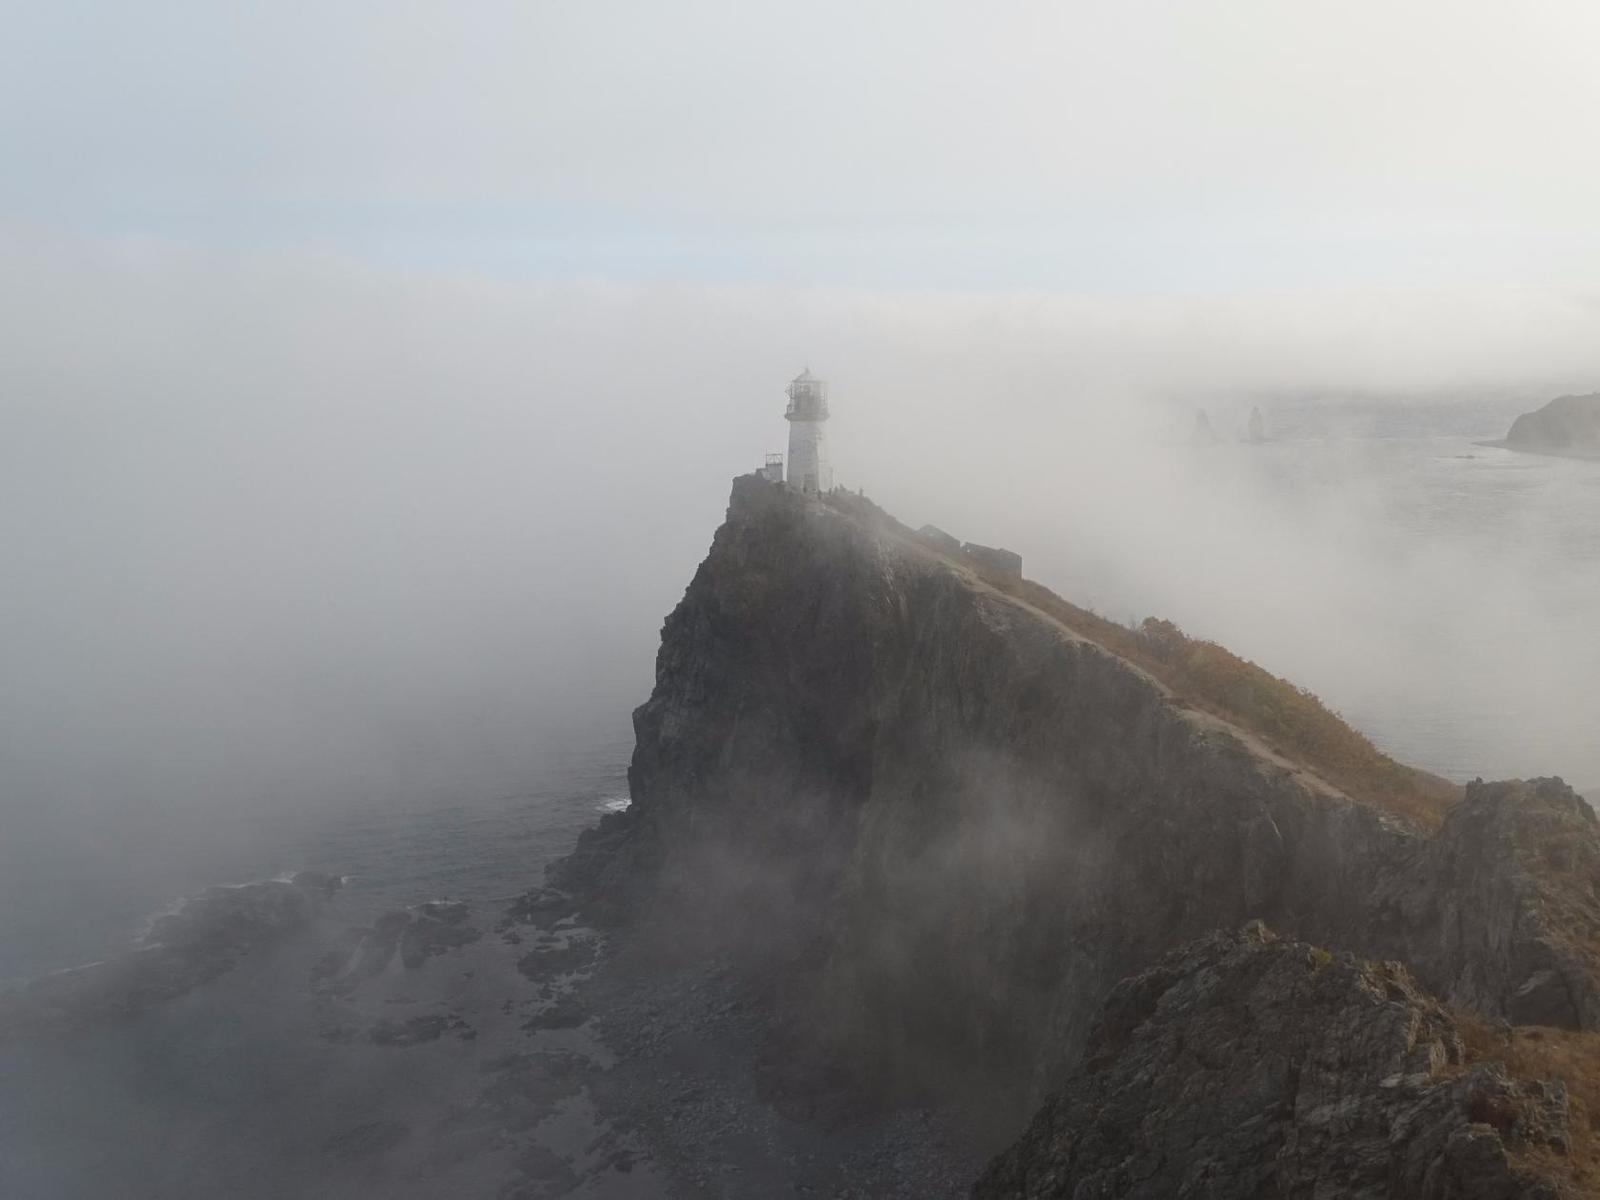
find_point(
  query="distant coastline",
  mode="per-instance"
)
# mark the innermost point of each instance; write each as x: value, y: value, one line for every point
x: 1504, y: 444
x: 1567, y: 427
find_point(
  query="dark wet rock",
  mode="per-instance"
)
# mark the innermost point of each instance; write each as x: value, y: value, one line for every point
x: 1242, y: 1065
x: 543, y: 907
x: 375, y: 1137
x: 205, y: 938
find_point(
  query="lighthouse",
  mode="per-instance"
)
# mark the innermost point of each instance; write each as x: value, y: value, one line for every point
x: 809, y: 469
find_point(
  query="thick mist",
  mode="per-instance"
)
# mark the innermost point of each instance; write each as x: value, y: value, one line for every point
x: 372, y: 377
x: 290, y: 533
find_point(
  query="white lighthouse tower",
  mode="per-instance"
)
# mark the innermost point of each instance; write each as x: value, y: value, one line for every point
x: 809, y: 469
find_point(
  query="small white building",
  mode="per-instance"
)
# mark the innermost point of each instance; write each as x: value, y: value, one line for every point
x: 809, y: 468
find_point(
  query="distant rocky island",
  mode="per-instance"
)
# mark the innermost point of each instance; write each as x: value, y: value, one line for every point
x: 1569, y: 427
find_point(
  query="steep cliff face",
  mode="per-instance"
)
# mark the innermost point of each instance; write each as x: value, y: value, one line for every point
x: 1498, y: 911
x: 952, y: 824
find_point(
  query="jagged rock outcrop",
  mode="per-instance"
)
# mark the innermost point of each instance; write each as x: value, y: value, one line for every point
x: 1498, y: 911
x: 953, y: 825
x: 1003, y: 562
x: 1242, y: 1065
x: 941, y: 541
x: 1568, y: 426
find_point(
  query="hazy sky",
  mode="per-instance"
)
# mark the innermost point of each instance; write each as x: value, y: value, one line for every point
x: 1101, y: 147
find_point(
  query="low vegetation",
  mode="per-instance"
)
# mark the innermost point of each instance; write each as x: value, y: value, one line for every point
x: 1288, y: 718
x: 1568, y: 1055
x: 1211, y: 678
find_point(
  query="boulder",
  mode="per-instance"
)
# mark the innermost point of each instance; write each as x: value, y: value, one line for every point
x: 1005, y: 563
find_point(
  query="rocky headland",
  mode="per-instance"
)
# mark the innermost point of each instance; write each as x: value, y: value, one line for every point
x: 1569, y: 427
x: 932, y: 817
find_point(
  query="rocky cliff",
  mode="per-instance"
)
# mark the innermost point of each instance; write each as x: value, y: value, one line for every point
x: 1568, y: 426
x: 1246, y: 1066
x: 949, y: 824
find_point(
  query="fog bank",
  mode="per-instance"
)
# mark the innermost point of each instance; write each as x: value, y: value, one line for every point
x: 292, y: 530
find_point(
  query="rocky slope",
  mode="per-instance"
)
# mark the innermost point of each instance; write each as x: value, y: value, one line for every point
x: 1567, y: 426
x: 953, y: 825
x: 1246, y: 1066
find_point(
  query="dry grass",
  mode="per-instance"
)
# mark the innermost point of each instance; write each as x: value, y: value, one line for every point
x: 1537, y: 1052
x: 1290, y: 719
x: 1208, y: 677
